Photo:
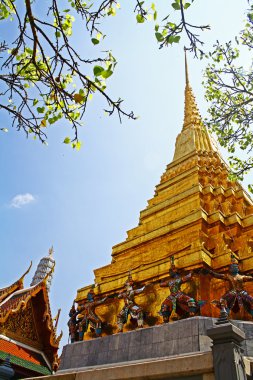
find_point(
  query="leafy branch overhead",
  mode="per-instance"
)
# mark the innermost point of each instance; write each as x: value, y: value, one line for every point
x: 170, y: 32
x: 229, y: 89
x: 45, y: 79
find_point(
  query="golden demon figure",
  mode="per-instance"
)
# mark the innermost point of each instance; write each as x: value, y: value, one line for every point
x: 130, y: 307
x: 177, y: 301
x: 89, y: 317
x: 236, y: 297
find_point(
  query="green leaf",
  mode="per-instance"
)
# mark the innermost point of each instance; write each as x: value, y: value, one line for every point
x: 94, y: 41
x: 140, y: 19
x: 170, y: 39
x: 41, y: 109
x: 176, y: 6
x: 172, y: 25
x: 176, y: 39
x: 159, y: 37
x: 106, y: 73
x: 250, y: 187
x: 156, y: 28
x: 52, y: 120
x: 187, y: 5
x: 67, y: 140
x: 97, y: 70
x: 4, y: 129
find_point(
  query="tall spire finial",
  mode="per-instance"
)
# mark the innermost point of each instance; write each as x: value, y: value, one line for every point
x: 194, y: 137
x: 191, y: 112
x: 186, y: 68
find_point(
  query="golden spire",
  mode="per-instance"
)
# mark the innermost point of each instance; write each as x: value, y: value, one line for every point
x: 191, y: 112
x: 186, y: 69
x: 194, y: 137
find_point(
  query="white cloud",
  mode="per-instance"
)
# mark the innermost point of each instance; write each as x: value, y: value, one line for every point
x: 21, y: 200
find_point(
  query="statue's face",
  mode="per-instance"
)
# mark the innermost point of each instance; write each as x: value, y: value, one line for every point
x: 233, y: 269
x: 174, y: 274
x: 90, y: 296
x: 129, y: 287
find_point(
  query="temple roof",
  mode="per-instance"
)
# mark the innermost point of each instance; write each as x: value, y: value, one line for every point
x: 17, y: 285
x: 25, y: 316
x: 16, y: 300
x: 23, y: 357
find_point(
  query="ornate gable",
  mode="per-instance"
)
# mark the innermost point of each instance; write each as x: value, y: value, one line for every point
x: 21, y: 326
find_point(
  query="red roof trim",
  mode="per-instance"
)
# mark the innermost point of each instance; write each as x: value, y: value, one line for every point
x: 21, y: 352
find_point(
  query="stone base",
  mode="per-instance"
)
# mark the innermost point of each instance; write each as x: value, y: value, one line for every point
x: 177, y: 338
x: 198, y: 366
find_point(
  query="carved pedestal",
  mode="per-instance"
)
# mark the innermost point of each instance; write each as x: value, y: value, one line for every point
x: 227, y: 352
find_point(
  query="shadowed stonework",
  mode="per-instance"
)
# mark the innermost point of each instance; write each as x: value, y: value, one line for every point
x: 180, y: 337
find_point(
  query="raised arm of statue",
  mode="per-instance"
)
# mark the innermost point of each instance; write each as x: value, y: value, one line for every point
x: 138, y: 291
x: 247, y: 278
x: 80, y: 308
x: 186, y: 278
x: 212, y: 273
x: 164, y: 284
x: 217, y: 275
x: 98, y: 302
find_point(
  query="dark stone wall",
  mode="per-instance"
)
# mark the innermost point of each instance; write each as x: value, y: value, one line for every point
x: 180, y: 337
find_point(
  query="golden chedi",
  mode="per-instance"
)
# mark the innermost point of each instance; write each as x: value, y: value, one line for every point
x: 197, y: 215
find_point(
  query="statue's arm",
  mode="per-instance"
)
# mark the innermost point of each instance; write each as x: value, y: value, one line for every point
x: 212, y: 273
x: 217, y: 275
x: 163, y: 284
x: 138, y: 291
x: 247, y: 278
x: 80, y: 308
x: 100, y: 301
x: 186, y: 278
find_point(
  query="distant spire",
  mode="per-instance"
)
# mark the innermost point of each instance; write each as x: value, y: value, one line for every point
x: 45, y: 269
x: 191, y: 112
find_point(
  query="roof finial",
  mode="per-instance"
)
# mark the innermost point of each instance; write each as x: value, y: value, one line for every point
x: 51, y: 251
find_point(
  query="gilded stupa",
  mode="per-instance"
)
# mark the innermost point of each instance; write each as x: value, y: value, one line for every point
x: 197, y: 215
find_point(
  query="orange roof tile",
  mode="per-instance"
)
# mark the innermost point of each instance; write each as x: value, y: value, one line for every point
x: 23, y: 353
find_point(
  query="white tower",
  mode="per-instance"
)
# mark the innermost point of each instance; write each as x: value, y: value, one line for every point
x: 46, y: 265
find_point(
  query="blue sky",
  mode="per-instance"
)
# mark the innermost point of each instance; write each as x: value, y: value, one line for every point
x: 84, y: 202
